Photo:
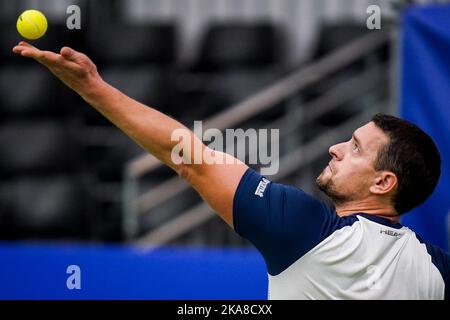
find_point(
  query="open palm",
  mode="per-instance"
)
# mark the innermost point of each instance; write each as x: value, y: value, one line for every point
x: 73, y: 68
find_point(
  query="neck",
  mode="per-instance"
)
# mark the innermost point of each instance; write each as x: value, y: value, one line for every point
x: 367, y: 206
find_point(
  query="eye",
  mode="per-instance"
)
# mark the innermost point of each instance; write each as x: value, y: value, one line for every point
x: 355, y: 147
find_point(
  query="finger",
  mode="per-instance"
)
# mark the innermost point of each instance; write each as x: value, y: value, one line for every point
x: 49, y: 58
x: 18, y: 49
x: 26, y: 44
x: 46, y: 58
x: 23, y: 45
x: 73, y: 56
x: 27, y: 52
x: 68, y: 53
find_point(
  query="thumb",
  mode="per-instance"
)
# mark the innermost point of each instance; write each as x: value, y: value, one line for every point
x: 68, y: 53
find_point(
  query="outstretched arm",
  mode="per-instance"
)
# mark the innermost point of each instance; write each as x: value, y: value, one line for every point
x: 151, y: 129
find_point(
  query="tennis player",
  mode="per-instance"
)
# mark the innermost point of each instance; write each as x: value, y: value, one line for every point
x: 356, y: 249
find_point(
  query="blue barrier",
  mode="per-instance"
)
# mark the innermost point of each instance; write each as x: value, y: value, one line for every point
x: 425, y: 98
x: 39, y: 271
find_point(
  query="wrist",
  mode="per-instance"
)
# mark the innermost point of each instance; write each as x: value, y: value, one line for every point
x: 94, y: 87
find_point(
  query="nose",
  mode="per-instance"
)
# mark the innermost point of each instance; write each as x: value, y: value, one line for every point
x: 335, y: 151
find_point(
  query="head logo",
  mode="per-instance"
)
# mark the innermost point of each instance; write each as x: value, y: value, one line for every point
x: 261, y: 187
x: 391, y: 233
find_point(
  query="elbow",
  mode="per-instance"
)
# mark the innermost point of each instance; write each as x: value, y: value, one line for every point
x: 185, y: 172
x: 190, y: 172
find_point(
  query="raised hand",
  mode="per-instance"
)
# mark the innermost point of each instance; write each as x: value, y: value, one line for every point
x: 73, y: 68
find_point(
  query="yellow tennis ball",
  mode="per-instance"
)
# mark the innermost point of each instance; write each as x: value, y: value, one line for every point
x: 32, y: 24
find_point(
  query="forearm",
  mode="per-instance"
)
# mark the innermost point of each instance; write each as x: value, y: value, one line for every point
x: 148, y: 127
x: 216, y: 183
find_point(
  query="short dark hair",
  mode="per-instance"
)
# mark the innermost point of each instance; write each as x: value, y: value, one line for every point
x: 414, y: 158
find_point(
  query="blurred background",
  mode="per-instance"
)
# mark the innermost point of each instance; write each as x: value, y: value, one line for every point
x: 311, y: 68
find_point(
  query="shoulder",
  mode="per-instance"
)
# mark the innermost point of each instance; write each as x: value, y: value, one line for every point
x: 282, y: 221
x: 441, y: 259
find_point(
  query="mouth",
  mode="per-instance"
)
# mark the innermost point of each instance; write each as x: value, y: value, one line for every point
x: 329, y: 167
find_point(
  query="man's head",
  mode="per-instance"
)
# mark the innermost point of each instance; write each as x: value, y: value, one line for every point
x: 389, y: 160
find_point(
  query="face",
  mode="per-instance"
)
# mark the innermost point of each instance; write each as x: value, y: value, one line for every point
x: 350, y: 173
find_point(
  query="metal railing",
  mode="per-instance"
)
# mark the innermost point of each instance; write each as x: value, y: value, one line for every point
x: 289, y: 122
x: 135, y: 203
x: 289, y: 164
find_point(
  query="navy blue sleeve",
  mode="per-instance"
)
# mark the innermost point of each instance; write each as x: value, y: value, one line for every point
x: 283, y: 222
x: 441, y: 260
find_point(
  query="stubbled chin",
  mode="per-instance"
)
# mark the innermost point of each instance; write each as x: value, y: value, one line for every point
x: 326, y: 171
x: 323, y: 178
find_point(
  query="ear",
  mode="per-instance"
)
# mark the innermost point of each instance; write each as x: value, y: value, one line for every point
x: 385, y: 182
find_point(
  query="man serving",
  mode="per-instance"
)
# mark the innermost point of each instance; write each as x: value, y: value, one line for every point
x: 354, y: 250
